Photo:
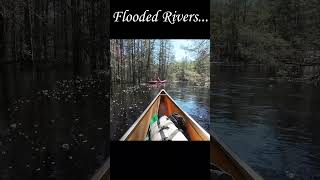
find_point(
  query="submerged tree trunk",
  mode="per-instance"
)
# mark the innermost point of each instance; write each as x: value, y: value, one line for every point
x: 66, y: 45
x: 45, y: 33
x: 55, y: 31
x: 75, y: 37
x: 133, y: 63
x: 28, y: 31
x: 121, y: 61
x: 2, y: 35
x: 92, y: 33
x: 36, y: 31
x: 148, y: 60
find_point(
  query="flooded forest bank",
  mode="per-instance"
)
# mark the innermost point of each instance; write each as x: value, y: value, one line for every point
x: 283, y: 35
x: 54, y: 91
x: 137, y: 61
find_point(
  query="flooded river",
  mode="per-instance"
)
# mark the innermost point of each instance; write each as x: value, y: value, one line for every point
x: 272, y: 125
x: 53, y: 125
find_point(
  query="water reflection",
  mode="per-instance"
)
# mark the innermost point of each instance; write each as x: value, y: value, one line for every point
x: 128, y: 102
x: 277, y: 122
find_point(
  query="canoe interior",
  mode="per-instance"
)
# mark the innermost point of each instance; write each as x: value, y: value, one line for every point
x: 224, y: 158
x: 163, y: 104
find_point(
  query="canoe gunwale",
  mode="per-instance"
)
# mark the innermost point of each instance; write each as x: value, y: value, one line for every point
x: 134, y: 125
x: 103, y: 172
x: 245, y: 168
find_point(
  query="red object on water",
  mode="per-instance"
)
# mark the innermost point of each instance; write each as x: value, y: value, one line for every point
x: 157, y: 82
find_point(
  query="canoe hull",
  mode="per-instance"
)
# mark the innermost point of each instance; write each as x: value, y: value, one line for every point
x: 103, y: 173
x: 222, y: 156
x: 163, y: 104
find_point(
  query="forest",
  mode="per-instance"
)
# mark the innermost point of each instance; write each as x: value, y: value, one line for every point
x: 282, y: 34
x: 54, y: 95
x: 73, y: 32
x: 137, y: 61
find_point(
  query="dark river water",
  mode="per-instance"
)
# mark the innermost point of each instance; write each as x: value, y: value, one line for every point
x: 128, y: 102
x: 53, y: 125
x: 272, y: 125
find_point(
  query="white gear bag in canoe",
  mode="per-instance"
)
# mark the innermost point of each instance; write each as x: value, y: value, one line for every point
x: 165, y: 130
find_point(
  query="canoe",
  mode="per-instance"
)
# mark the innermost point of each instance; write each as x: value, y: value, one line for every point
x: 163, y: 104
x: 157, y: 82
x: 222, y: 156
x: 103, y: 173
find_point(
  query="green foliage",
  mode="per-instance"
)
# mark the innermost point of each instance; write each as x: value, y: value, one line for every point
x: 138, y: 61
x: 282, y: 33
x: 262, y: 47
x: 196, y: 72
